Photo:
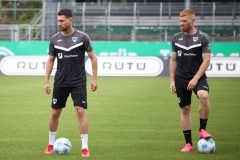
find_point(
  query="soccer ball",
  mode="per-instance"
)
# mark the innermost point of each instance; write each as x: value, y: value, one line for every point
x: 62, y: 146
x: 206, y: 145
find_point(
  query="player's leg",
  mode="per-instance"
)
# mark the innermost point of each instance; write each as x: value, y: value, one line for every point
x: 186, y: 123
x: 184, y: 100
x: 204, y: 107
x: 79, y: 96
x: 82, y: 120
x: 53, y: 124
x: 83, y: 128
x: 204, y: 110
x: 59, y: 99
x: 202, y: 90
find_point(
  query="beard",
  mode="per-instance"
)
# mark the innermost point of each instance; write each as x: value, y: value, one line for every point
x: 185, y: 29
x: 64, y: 28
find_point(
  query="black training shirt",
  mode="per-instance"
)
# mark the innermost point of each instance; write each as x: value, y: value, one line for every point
x: 189, y: 49
x: 70, y: 53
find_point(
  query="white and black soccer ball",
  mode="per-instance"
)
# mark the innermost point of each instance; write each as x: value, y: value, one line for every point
x: 62, y: 146
x: 206, y: 145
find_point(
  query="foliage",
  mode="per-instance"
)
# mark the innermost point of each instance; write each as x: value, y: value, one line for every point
x: 18, y: 16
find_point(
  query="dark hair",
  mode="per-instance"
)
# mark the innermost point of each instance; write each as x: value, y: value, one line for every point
x: 65, y: 12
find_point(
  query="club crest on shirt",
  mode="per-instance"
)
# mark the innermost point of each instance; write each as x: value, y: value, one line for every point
x: 74, y: 39
x: 195, y: 39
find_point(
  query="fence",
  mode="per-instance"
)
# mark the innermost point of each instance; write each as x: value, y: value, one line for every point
x: 129, y: 21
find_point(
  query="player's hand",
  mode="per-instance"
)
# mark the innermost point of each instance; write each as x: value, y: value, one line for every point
x: 94, y: 85
x: 47, y: 88
x: 192, y: 84
x: 172, y: 87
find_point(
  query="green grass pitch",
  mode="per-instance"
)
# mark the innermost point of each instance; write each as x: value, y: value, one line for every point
x: 130, y: 118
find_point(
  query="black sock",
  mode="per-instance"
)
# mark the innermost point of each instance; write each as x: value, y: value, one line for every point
x: 203, y: 124
x: 188, y: 136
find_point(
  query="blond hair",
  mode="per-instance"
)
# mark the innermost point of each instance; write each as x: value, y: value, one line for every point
x: 187, y: 12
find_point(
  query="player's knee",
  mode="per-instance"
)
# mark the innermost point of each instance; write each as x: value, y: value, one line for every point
x: 186, y: 110
x: 55, y: 114
x: 203, y: 97
x: 80, y: 112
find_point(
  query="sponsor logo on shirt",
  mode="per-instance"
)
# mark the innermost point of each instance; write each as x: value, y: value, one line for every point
x: 70, y: 56
x: 60, y: 40
x: 189, y: 54
x: 60, y: 56
x: 180, y: 39
x: 179, y: 53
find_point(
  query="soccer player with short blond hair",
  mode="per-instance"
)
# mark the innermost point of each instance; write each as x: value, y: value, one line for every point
x: 190, y: 59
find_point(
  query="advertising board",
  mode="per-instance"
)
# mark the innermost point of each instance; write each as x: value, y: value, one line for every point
x: 116, y: 59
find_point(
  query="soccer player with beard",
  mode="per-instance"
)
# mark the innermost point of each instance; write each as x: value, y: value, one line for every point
x: 189, y: 61
x: 69, y: 46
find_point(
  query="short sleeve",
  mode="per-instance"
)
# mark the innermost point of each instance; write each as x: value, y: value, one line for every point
x: 173, y: 45
x: 51, y: 51
x: 206, y: 46
x: 87, y: 43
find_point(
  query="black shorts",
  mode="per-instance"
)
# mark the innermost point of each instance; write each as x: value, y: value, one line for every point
x: 184, y: 96
x: 60, y: 96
